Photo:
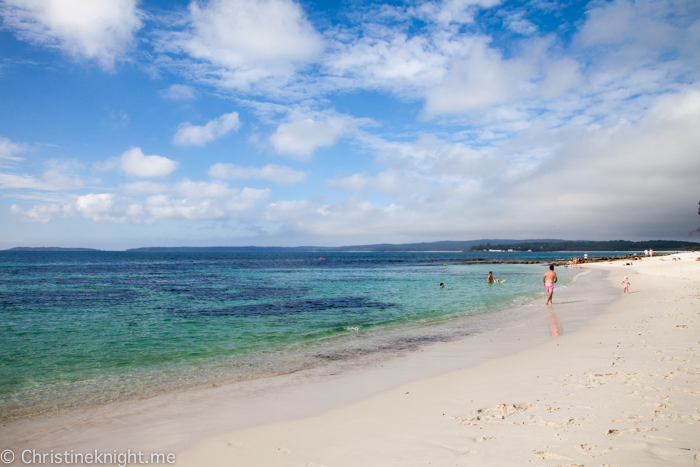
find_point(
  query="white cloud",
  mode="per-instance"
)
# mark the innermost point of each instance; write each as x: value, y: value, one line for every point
x: 202, y: 202
x: 304, y: 134
x: 592, y: 181
x: 102, y: 207
x: 354, y: 182
x: 245, y: 41
x: 453, y: 11
x: 482, y: 79
x: 41, y: 213
x: 143, y: 188
x: 188, y: 134
x: 8, y: 151
x: 58, y: 175
x: 389, y: 181
x: 135, y: 164
x: 101, y: 30
x: 163, y: 207
x: 178, y: 92
x: 386, y: 58
x: 271, y: 172
x: 198, y: 190
x: 517, y: 23
x: 247, y: 198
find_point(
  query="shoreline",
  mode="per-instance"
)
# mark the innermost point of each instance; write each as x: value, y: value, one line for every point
x: 192, y: 424
x: 355, y: 348
x: 369, y: 378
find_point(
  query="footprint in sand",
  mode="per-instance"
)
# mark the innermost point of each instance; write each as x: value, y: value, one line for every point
x: 500, y: 412
x: 549, y: 455
x: 591, y: 450
x: 460, y: 450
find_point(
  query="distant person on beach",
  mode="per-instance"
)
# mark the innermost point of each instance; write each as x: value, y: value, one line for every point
x: 490, y: 278
x: 651, y: 253
x: 585, y: 256
x: 626, y: 285
x: 549, y: 279
x: 646, y: 252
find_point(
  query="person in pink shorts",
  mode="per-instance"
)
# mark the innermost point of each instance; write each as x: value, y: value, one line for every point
x: 626, y: 285
x: 549, y: 279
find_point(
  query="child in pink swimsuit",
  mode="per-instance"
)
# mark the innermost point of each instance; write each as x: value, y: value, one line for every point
x: 626, y: 285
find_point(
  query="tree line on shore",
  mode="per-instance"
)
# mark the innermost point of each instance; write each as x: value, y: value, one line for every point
x: 611, y: 245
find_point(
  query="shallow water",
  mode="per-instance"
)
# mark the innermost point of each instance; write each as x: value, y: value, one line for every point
x: 87, y: 328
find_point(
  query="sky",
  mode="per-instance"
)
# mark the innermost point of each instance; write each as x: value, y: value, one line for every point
x: 128, y: 123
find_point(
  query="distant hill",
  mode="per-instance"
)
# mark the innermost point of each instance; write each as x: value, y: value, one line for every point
x: 582, y: 245
x: 456, y: 246
x: 381, y: 247
x: 49, y: 248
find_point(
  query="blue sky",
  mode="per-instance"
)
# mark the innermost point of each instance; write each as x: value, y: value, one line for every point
x: 273, y: 122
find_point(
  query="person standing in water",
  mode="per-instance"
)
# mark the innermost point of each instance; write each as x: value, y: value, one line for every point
x: 549, y: 279
x: 490, y: 278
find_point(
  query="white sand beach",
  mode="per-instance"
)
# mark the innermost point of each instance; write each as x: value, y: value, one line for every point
x: 597, y: 379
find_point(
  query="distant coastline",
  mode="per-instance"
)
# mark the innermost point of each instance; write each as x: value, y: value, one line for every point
x: 495, y: 245
x: 49, y: 248
x: 454, y: 246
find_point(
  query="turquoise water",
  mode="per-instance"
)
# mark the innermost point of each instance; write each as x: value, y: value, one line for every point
x: 91, y: 327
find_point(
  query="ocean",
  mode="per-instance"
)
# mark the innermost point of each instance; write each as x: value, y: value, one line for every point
x: 87, y: 328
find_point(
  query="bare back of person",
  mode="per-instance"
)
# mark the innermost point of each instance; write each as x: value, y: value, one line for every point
x: 550, y: 277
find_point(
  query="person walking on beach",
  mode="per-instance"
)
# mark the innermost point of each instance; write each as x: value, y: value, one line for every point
x: 626, y: 285
x: 549, y: 279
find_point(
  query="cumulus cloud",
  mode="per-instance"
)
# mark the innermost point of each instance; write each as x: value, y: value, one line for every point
x: 134, y: 163
x: 386, y: 58
x: 245, y: 41
x: 195, y: 135
x: 271, y: 172
x: 100, y: 30
x: 302, y: 135
x: 186, y: 199
x: 106, y: 207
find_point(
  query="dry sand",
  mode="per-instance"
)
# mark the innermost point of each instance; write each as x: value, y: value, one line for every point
x: 619, y: 386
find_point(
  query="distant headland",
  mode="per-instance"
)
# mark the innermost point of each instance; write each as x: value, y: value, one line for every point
x: 452, y: 246
x: 538, y: 245
x: 50, y: 248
